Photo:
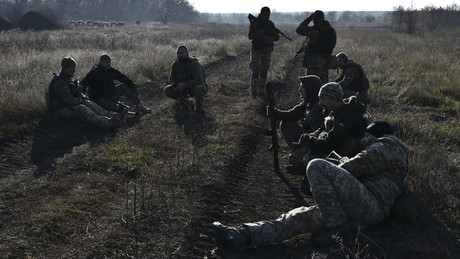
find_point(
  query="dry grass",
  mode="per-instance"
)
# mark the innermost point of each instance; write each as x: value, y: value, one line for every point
x: 413, y: 85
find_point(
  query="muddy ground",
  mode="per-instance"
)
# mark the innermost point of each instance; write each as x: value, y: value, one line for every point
x: 40, y: 166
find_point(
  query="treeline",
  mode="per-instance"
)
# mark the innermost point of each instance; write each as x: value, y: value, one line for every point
x: 165, y: 11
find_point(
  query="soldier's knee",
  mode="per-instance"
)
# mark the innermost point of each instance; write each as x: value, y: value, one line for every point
x: 316, y: 166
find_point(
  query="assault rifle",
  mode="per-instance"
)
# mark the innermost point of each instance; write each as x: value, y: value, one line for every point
x: 252, y: 19
x: 302, y: 48
x: 274, y: 146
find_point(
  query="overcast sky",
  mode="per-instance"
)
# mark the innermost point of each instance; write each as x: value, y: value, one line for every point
x: 253, y: 6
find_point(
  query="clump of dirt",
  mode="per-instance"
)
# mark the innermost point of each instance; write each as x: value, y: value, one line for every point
x: 35, y: 21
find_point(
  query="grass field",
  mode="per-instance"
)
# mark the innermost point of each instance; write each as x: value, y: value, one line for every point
x: 414, y: 84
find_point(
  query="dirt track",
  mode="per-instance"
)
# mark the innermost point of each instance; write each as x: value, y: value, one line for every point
x: 244, y: 188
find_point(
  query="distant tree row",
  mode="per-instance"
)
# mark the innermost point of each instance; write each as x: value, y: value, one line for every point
x: 179, y: 11
x: 410, y: 20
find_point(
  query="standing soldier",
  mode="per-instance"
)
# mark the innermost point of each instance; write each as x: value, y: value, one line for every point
x: 186, y: 78
x: 321, y: 40
x: 361, y: 190
x: 352, y: 79
x: 65, y: 99
x: 262, y: 32
x: 102, y: 89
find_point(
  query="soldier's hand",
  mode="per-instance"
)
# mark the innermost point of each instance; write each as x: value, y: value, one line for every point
x: 87, y: 103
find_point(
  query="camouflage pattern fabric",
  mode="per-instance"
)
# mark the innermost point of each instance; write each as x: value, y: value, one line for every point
x: 317, y: 65
x: 95, y: 116
x: 260, y: 64
x: 354, y: 80
x: 121, y: 89
x: 364, y: 192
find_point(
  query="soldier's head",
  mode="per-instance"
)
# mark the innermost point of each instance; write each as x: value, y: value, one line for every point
x: 318, y: 16
x: 182, y: 53
x: 376, y: 129
x: 342, y: 59
x: 105, y: 60
x: 68, y: 65
x: 265, y: 13
x: 330, y: 96
x: 309, y: 88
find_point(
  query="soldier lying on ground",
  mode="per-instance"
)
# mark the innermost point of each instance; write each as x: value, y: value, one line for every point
x: 186, y: 78
x: 310, y: 115
x: 344, y: 127
x: 65, y: 99
x: 102, y: 89
x: 359, y: 191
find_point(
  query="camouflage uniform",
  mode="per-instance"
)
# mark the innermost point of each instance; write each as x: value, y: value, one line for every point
x: 102, y: 89
x: 362, y: 189
x: 65, y: 100
x: 353, y: 80
x: 320, y: 44
x: 344, y: 128
x: 263, y: 34
x: 311, y: 117
x: 191, y: 73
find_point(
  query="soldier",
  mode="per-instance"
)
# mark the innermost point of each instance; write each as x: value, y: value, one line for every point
x: 262, y: 32
x: 310, y: 115
x: 361, y: 190
x: 343, y: 129
x: 352, y: 79
x: 65, y: 99
x: 102, y: 89
x: 321, y: 40
x: 186, y: 79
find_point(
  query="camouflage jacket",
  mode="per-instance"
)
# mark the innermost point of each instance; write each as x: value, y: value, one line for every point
x: 353, y: 77
x: 263, y: 34
x: 322, y: 37
x: 189, y: 72
x: 63, y: 92
x: 100, y: 82
x: 346, y: 122
x: 310, y: 114
x: 381, y: 167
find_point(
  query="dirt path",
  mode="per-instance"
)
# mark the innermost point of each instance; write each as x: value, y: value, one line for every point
x: 43, y: 168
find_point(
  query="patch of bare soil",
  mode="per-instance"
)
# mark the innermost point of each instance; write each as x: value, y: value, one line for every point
x: 42, y: 167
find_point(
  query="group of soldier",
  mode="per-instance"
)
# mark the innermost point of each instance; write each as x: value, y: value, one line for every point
x: 96, y: 99
x: 355, y: 169
x: 358, y: 186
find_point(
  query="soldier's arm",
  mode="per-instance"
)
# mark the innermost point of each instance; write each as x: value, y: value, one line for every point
x: 197, y: 75
x: 294, y: 114
x: 123, y: 78
x: 172, y: 74
x: 348, y: 76
x: 303, y: 29
x: 62, y: 89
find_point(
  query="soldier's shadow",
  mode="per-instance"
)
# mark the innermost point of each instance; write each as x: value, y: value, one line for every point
x: 196, y: 126
x: 54, y: 138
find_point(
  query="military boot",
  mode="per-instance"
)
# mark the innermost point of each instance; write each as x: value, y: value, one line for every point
x: 141, y: 108
x: 235, y: 238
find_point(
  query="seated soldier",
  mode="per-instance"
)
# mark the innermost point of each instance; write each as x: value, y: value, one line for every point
x: 353, y: 80
x: 102, y: 89
x: 65, y: 99
x: 310, y: 115
x: 359, y: 191
x: 344, y: 127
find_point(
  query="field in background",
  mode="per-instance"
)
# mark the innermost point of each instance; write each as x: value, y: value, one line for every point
x: 414, y: 85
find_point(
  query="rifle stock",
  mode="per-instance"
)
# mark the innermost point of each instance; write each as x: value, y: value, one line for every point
x: 274, y: 146
x: 252, y: 18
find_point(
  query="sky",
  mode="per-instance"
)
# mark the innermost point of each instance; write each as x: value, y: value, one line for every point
x: 253, y: 6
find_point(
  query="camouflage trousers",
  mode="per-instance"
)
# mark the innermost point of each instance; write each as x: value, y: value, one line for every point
x: 339, y: 197
x: 259, y: 64
x: 95, y: 115
x: 110, y: 104
x: 291, y: 132
x: 318, y: 65
x: 198, y: 92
